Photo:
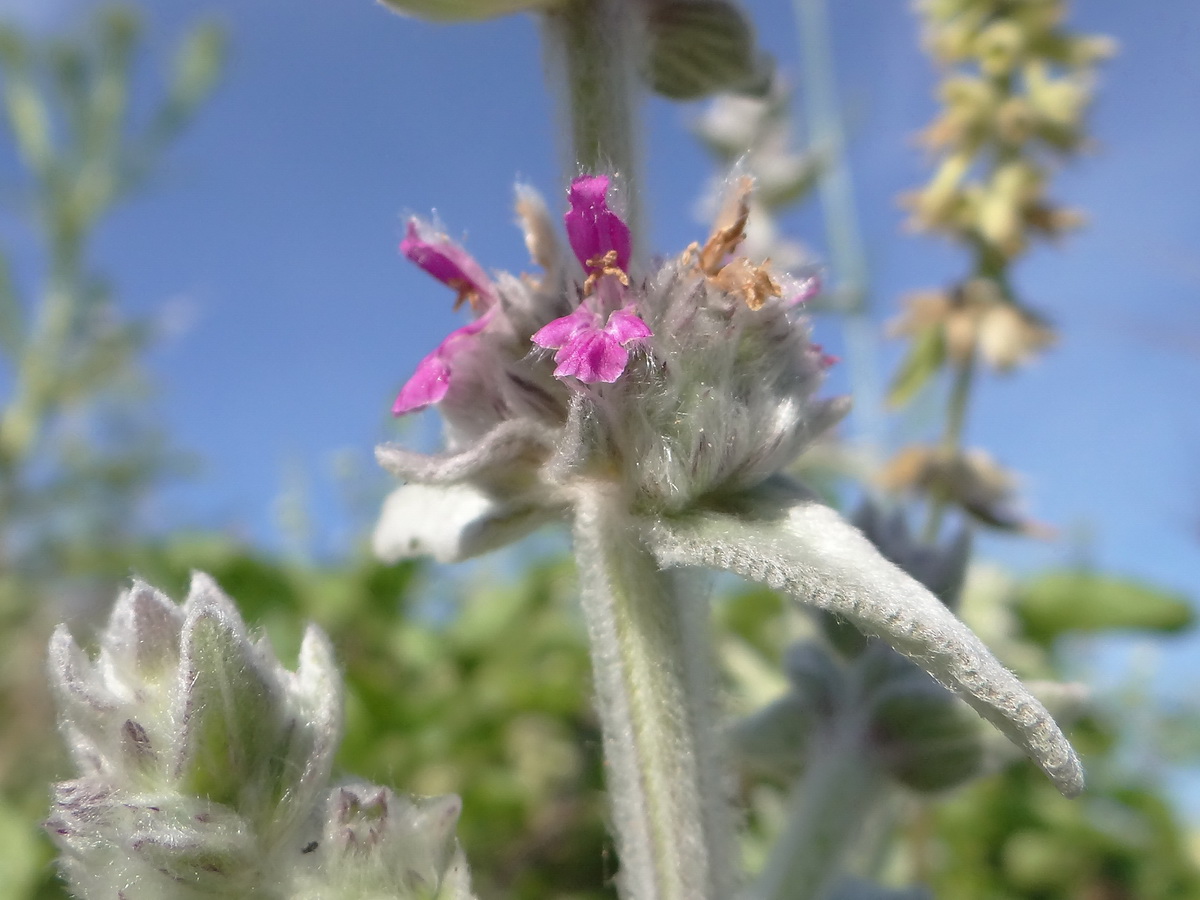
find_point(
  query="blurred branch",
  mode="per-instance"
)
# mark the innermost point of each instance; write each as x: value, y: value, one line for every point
x: 72, y: 357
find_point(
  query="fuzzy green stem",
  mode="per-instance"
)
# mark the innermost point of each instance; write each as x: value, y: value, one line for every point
x: 593, y: 50
x: 655, y: 692
x: 826, y: 810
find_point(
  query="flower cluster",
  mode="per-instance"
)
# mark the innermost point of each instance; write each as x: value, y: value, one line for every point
x: 204, y: 769
x: 656, y: 407
x: 685, y: 378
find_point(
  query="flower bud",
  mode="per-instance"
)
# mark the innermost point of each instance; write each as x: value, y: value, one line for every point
x: 815, y: 675
x: 701, y: 47
x: 950, y: 42
x: 375, y: 843
x: 923, y: 736
x: 1002, y: 211
x: 1015, y: 120
x: 942, y: 569
x: 938, y: 202
x: 773, y: 742
x: 1061, y: 101
x: 201, y: 757
x: 999, y: 48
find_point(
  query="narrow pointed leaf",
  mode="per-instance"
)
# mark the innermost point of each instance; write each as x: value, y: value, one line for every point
x: 801, y: 547
x: 143, y: 631
x: 234, y: 730
x: 925, y: 357
x: 503, y: 445
x: 311, y: 747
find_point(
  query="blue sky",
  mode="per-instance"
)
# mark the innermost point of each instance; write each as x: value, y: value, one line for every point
x: 276, y: 221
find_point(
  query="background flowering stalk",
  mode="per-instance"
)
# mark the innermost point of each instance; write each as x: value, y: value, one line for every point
x: 1016, y: 87
x: 675, y: 397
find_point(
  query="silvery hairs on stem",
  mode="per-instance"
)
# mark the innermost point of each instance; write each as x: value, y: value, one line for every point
x: 680, y: 389
x: 204, y: 770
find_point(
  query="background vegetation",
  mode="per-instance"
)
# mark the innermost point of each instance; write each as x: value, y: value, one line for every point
x: 470, y: 687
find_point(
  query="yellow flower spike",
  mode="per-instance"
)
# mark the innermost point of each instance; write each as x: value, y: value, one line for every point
x: 999, y: 48
x: 937, y: 203
x: 1001, y: 220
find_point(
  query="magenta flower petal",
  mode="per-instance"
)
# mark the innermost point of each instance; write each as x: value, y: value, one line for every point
x: 592, y: 228
x: 807, y: 289
x: 429, y: 384
x: 588, y: 352
x: 591, y: 356
x: 826, y: 360
x: 448, y: 263
x: 625, y: 326
x: 554, y: 334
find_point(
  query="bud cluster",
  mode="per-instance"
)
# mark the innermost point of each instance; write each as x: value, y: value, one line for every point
x: 204, y: 769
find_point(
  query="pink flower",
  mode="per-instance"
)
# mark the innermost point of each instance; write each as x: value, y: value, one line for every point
x: 589, y: 351
x: 593, y: 229
x: 448, y: 263
x: 431, y: 381
x: 453, y: 266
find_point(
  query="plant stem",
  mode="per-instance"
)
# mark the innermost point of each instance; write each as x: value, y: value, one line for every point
x: 652, y: 657
x: 593, y: 52
x: 826, y: 809
x: 951, y: 442
x: 40, y: 360
x: 836, y: 187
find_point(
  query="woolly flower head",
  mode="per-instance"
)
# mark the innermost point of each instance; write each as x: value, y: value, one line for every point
x: 677, y: 379
x: 203, y: 769
x: 655, y: 406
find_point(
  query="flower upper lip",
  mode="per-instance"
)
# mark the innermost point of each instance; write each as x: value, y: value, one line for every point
x: 448, y: 263
x: 593, y: 229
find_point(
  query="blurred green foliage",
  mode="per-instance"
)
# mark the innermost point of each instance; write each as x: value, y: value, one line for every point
x: 479, y: 689
x: 1008, y: 838
x: 1057, y: 602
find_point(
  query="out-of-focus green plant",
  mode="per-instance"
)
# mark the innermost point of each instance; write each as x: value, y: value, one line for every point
x: 1004, y: 838
x: 74, y: 456
x: 77, y: 450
